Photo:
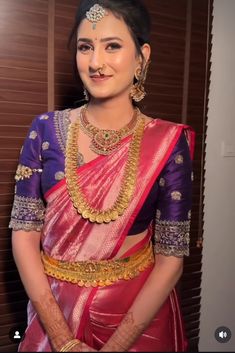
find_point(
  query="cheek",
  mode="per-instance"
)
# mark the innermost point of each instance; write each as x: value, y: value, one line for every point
x: 125, y: 63
x: 81, y: 62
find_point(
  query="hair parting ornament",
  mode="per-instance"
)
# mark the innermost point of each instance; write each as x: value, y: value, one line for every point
x: 95, y: 14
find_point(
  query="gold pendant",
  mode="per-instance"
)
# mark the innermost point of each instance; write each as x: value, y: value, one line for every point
x: 104, y: 142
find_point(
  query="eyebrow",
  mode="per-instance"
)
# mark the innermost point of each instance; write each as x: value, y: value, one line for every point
x: 103, y: 40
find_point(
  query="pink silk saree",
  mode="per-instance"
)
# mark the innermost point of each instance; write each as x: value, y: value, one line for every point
x: 94, y: 313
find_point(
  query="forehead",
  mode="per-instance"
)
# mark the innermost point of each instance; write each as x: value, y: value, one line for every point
x: 108, y: 26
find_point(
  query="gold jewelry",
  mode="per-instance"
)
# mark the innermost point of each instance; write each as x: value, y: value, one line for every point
x: 24, y: 172
x: 69, y: 345
x: 127, y: 184
x: 95, y: 14
x: 100, y: 70
x: 104, y: 141
x: 94, y: 273
x: 86, y: 95
x: 137, y: 91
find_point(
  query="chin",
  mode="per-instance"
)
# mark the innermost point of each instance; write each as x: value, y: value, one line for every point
x: 106, y: 95
x: 101, y: 96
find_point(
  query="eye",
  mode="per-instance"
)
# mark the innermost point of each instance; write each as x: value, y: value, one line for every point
x: 84, y: 47
x: 113, y: 46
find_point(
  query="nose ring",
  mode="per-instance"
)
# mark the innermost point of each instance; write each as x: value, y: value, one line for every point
x: 100, y: 69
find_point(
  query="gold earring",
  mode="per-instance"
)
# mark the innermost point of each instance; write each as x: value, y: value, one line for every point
x: 86, y: 95
x: 137, y: 91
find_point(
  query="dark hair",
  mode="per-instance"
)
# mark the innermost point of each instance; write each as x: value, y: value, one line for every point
x: 133, y: 12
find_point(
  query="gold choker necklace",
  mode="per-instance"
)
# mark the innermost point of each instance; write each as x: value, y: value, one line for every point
x: 127, y: 185
x: 105, y: 141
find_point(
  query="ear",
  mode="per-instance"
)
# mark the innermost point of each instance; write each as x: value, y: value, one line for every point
x: 146, y: 50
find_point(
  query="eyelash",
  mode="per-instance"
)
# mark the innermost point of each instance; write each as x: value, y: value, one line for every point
x: 114, y: 46
x: 84, y: 47
x: 110, y: 47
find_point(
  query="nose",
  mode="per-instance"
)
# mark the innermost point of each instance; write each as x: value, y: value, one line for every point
x: 96, y: 60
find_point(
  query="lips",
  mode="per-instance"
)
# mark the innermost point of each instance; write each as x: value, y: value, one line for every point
x: 100, y: 77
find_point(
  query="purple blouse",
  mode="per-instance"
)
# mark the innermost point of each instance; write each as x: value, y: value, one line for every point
x: 42, y: 165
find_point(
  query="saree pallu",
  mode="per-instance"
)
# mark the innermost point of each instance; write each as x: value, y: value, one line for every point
x: 94, y: 313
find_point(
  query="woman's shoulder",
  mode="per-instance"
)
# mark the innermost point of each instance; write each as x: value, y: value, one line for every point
x: 50, y: 116
x: 158, y: 123
x: 50, y: 121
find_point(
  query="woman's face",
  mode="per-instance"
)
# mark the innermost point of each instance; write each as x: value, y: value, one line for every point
x: 111, y: 47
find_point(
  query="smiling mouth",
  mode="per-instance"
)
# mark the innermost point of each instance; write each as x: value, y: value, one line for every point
x: 100, y: 76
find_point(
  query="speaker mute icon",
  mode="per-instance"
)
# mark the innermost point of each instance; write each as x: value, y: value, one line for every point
x: 223, y: 334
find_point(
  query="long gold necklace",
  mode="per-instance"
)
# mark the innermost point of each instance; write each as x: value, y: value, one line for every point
x: 127, y: 183
x: 104, y: 141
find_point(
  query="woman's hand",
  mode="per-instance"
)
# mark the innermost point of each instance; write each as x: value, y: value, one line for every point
x: 164, y: 276
x: 26, y: 251
x: 82, y: 347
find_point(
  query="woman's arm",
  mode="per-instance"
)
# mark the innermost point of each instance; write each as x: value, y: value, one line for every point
x: 27, y: 219
x: 26, y: 252
x: 171, y: 244
x: 161, y: 281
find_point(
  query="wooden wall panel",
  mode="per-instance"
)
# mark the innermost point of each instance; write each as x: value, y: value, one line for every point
x: 23, y: 94
x: 165, y: 78
x: 66, y: 87
x: 177, y: 86
x: 36, y: 74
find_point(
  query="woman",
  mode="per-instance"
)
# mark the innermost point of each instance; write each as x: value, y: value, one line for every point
x: 105, y: 192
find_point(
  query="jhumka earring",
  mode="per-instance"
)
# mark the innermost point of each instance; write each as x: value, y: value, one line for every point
x: 137, y: 91
x: 86, y: 95
x: 95, y: 14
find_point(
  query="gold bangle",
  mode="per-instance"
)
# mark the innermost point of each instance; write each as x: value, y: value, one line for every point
x: 69, y: 345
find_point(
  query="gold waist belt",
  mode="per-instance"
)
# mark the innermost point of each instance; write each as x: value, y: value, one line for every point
x: 99, y: 273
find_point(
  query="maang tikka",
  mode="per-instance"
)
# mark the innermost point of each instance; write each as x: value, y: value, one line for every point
x: 95, y: 14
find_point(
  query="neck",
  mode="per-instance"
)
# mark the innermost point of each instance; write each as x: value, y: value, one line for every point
x: 108, y: 114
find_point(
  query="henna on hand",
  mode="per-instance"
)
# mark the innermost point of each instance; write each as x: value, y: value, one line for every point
x: 53, y: 320
x: 125, y: 335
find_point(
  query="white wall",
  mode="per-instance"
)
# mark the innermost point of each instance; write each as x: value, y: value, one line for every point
x: 218, y: 280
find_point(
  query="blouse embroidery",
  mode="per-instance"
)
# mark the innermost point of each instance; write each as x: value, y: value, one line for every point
x: 158, y: 214
x: 45, y: 145
x: 33, y: 134
x: 44, y: 117
x: 176, y: 195
x: 179, y: 159
x: 162, y: 182
x: 61, y: 123
x: 27, y: 213
x: 24, y: 172
x: 172, y: 238
x: 59, y: 175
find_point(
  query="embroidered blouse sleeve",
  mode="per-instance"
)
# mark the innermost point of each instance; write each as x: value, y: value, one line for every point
x: 172, y: 223
x: 28, y: 206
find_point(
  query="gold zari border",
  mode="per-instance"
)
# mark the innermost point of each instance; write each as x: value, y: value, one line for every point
x: 99, y: 273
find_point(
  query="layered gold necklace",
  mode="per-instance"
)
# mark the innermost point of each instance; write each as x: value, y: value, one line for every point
x: 104, y: 141
x: 127, y: 184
